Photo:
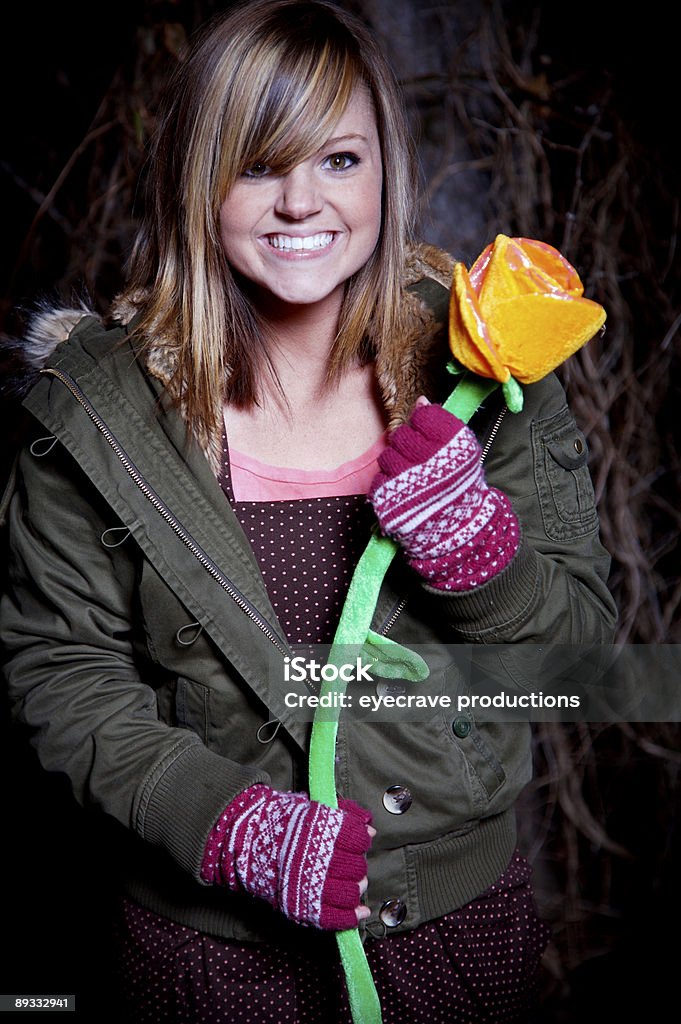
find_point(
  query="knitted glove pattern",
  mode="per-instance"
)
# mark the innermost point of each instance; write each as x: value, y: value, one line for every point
x: 432, y: 497
x: 301, y: 856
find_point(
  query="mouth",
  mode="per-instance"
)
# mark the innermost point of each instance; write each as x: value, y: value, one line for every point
x: 296, y: 243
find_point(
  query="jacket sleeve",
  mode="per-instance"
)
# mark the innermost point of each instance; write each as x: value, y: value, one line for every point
x: 555, y: 589
x: 76, y: 678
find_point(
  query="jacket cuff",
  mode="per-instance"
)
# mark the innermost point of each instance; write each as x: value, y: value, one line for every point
x: 503, y: 601
x: 183, y: 799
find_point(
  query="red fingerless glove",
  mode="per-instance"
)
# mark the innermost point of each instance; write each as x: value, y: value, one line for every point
x: 301, y: 856
x: 432, y: 497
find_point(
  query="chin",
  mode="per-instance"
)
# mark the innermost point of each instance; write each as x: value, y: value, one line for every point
x: 307, y: 296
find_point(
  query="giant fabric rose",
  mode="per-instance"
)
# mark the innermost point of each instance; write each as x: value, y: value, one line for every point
x: 519, y: 312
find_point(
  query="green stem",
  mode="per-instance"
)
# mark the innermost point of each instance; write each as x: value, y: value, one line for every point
x: 353, y: 628
x: 469, y: 395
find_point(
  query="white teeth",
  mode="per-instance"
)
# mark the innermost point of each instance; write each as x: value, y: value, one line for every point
x: 294, y: 242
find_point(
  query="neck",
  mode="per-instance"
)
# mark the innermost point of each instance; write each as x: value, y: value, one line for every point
x: 300, y: 340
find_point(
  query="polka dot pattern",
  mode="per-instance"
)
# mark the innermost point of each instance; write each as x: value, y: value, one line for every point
x: 477, y: 965
x: 307, y: 550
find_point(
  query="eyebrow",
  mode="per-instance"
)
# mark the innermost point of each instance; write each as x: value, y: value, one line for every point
x: 345, y: 138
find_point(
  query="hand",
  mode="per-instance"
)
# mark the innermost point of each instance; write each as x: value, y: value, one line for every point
x: 301, y: 856
x: 432, y: 497
x: 361, y: 910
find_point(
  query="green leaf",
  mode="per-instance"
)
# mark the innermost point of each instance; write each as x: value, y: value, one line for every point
x: 391, y: 660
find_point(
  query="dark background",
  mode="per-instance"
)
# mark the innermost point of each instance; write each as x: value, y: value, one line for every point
x: 554, y: 121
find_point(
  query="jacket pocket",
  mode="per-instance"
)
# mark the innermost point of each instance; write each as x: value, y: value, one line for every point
x: 192, y: 707
x: 566, y: 494
x: 483, y: 764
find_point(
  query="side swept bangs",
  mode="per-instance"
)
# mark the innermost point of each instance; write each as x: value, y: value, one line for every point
x: 284, y: 104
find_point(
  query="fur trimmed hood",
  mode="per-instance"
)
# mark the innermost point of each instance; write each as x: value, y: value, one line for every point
x: 410, y: 366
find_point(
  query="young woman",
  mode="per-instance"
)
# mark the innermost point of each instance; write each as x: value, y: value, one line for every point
x: 202, y: 475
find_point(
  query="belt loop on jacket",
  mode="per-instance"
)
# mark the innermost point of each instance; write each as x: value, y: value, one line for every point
x: 198, y: 630
x: 34, y: 450
x: 264, y: 739
x: 117, y: 543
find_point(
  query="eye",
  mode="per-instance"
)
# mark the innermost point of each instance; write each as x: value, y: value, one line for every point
x: 341, y: 161
x: 257, y: 170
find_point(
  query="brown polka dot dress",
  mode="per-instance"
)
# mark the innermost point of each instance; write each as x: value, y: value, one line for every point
x: 477, y: 964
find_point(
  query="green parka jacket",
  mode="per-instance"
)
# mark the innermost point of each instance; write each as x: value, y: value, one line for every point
x: 147, y: 661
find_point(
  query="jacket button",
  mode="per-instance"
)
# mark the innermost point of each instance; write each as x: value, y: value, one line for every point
x: 390, y: 689
x: 579, y: 446
x: 461, y: 727
x: 397, y: 799
x: 392, y: 913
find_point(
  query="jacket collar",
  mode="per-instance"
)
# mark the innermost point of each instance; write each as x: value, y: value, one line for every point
x: 410, y: 365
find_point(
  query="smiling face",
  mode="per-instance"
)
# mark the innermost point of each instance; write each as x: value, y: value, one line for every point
x: 298, y: 236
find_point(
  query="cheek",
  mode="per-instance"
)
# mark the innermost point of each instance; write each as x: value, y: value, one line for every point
x: 236, y: 223
x: 238, y: 253
x: 370, y: 212
x: 227, y: 231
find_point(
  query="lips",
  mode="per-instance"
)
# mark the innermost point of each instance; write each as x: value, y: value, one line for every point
x: 298, y: 243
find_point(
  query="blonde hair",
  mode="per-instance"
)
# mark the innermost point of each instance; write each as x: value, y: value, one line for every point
x: 265, y: 82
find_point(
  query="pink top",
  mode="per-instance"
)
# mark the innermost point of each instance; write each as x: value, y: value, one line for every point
x: 256, y: 481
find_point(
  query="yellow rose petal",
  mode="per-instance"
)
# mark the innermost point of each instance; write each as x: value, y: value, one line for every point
x: 533, y: 334
x: 469, y: 339
x: 552, y: 265
x: 513, y: 269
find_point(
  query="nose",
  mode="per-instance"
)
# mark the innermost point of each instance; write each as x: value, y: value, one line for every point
x: 299, y: 196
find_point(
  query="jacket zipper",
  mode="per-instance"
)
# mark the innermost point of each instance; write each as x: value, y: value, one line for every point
x: 393, y: 617
x: 397, y: 610
x: 165, y: 512
x: 493, y: 434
